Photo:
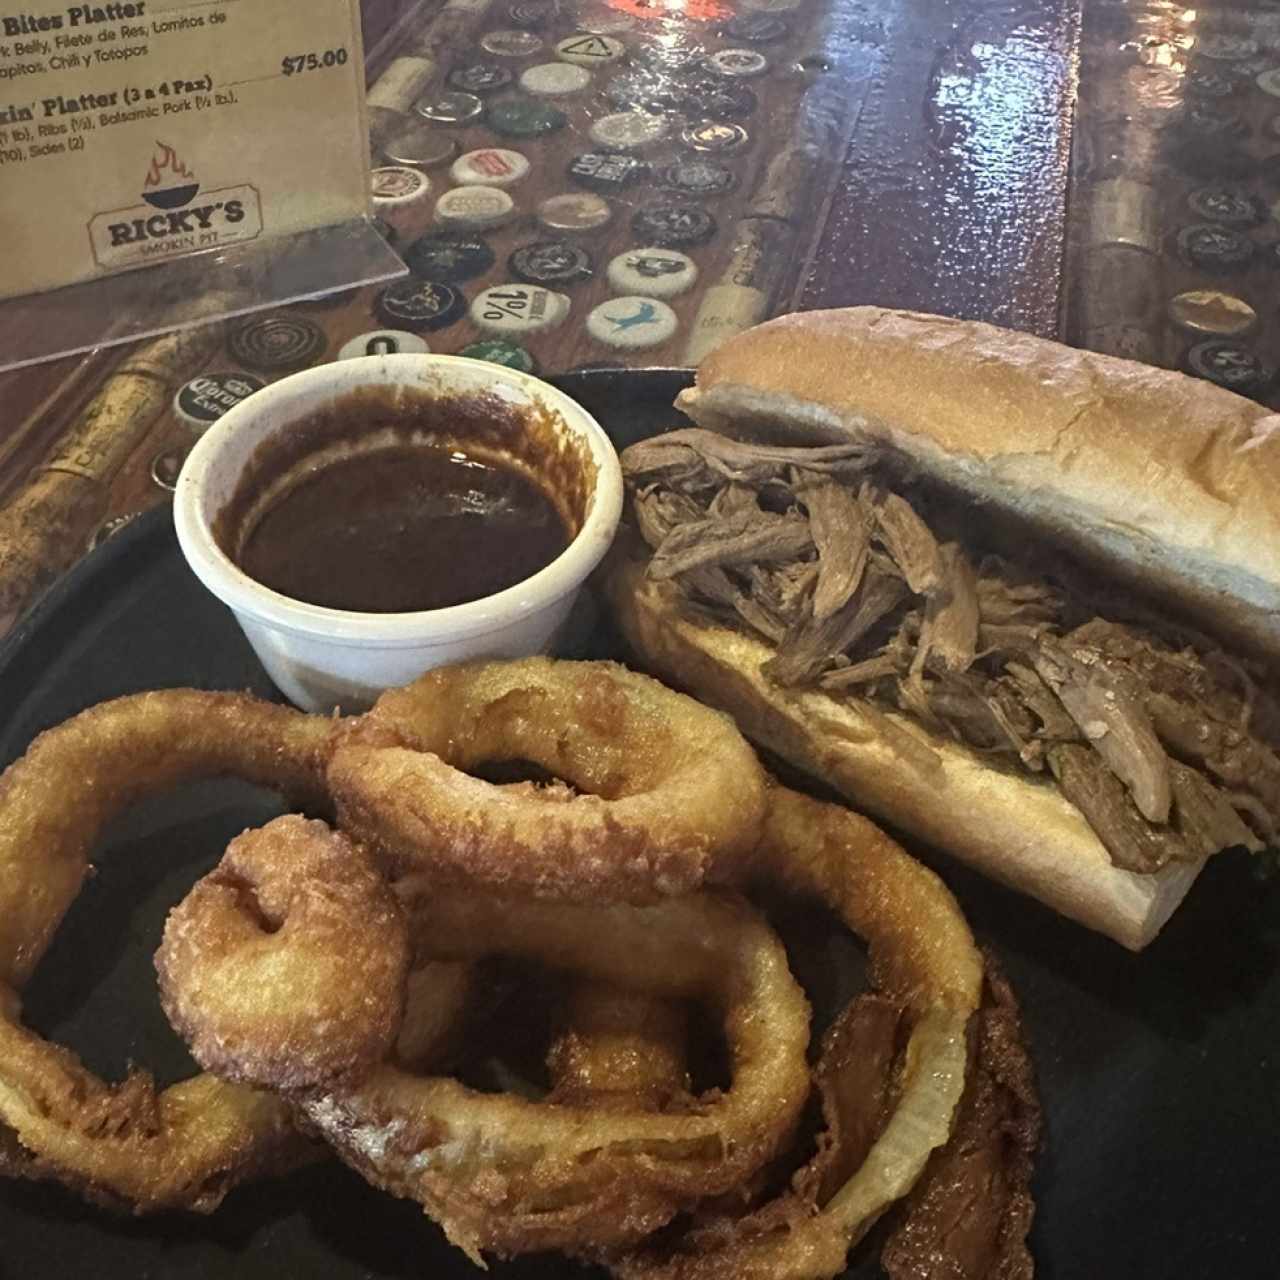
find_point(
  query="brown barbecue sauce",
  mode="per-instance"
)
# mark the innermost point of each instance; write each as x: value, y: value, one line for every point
x: 402, y: 529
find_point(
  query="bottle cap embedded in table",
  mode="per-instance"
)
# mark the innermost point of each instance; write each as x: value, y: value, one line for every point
x: 514, y: 310
x: 671, y: 223
x: 697, y: 176
x: 629, y: 130
x: 714, y: 136
x: 496, y: 351
x: 740, y: 63
x: 555, y: 79
x: 606, y: 171
x: 383, y: 342
x: 479, y: 77
x: 420, y: 305
x: 524, y: 118
x: 519, y: 43
x: 632, y: 323
x: 653, y: 271
x: 448, y: 257
x: 474, y: 207
x: 490, y: 167
x: 410, y: 141
x: 1215, y: 248
x: 1230, y: 364
x: 397, y: 187
x: 551, y: 262
x: 590, y: 49
x: 450, y: 108
x: 202, y: 401
x: 575, y: 211
x: 1212, y: 313
x: 1229, y: 205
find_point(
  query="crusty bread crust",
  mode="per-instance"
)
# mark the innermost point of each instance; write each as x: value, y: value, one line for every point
x: 1013, y: 829
x: 1170, y: 483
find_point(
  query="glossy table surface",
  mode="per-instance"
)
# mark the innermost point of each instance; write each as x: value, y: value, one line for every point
x: 947, y: 192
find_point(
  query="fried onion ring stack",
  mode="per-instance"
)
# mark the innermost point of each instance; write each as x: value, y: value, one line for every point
x: 127, y: 1145
x: 672, y: 794
x: 255, y: 965
x: 509, y: 1175
x: 344, y: 973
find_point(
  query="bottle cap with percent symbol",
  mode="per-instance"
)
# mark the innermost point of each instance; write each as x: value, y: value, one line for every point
x: 512, y: 310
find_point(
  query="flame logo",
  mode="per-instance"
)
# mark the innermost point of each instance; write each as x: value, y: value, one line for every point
x: 166, y: 164
x: 170, y: 184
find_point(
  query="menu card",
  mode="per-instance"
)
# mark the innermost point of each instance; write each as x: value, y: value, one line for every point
x: 136, y: 132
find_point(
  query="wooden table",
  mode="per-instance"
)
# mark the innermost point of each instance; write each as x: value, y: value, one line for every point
x: 951, y: 196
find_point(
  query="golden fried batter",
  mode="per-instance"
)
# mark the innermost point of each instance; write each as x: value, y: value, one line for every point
x: 286, y: 965
x: 505, y: 1174
x: 127, y: 1145
x: 673, y: 794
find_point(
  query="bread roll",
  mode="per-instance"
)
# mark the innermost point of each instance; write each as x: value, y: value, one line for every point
x: 1166, y: 482
x: 1162, y: 482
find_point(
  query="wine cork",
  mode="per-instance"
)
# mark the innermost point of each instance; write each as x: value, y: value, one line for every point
x: 1130, y: 342
x: 742, y: 295
x: 47, y: 527
x: 725, y: 309
x: 1116, y: 146
x: 782, y: 191
x: 97, y: 449
x: 1125, y: 212
x: 108, y: 430
x: 402, y: 83
x: 42, y: 533
x: 449, y: 31
x: 1121, y: 284
x: 1120, y: 307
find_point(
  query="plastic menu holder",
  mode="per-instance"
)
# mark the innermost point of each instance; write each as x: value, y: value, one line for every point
x: 164, y: 164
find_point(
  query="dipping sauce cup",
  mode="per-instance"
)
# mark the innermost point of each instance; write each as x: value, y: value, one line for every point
x: 325, y: 658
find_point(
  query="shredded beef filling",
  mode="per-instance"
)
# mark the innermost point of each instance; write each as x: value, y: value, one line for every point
x: 1169, y: 751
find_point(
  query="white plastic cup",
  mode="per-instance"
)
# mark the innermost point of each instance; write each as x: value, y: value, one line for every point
x: 322, y: 659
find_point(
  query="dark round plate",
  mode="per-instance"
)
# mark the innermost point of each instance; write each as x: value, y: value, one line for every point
x: 1159, y: 1073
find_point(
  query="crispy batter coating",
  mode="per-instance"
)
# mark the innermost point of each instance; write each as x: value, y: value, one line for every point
x: 923, y: 960
x: 436, y: 998
x: 127, y: 1145
x: 285, y: 966
x: 619, y: 1048
x: 673, y: 794
x: 508, y: 1175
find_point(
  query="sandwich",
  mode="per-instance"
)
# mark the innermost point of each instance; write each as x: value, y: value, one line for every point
x: 1019, y: 601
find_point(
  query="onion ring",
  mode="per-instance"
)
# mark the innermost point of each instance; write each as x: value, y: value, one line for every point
x: 126, y: 1145
x: 675, y: 794
x: 259, y: 963
x: 923, y: 959
x: 436, y: 997
x: 507, y: 1175
x: 619, y: 1049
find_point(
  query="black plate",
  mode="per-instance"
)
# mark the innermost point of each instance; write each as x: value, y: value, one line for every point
x: 1160, y: 1073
